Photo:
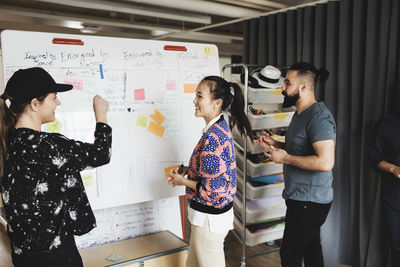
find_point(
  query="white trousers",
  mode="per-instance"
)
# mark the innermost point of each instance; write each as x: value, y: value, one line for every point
x: 206, y: 249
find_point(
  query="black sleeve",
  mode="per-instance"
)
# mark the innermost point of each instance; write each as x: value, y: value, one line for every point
x: 68, y: 153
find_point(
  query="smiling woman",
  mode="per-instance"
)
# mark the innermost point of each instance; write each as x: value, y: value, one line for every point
x: 46, y: 108
x: 44, y: 198
x: 211, y: 182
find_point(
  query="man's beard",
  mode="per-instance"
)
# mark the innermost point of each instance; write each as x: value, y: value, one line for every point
x: 289, y: 101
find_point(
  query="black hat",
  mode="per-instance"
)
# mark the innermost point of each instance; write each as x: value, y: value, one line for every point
x: 27, y: 84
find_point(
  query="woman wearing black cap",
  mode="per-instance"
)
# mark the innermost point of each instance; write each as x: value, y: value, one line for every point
x: 44, y: 198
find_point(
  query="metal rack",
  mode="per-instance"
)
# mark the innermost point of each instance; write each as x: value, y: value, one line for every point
x: 243, y: 147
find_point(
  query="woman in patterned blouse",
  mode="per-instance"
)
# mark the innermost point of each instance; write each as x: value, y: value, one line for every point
x: 211, y: 183
x: 44, y: 198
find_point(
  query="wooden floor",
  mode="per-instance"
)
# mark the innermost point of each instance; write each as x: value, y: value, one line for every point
x: 233, y: 252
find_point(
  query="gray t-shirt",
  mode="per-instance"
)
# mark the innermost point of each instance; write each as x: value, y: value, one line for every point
x: 314, y: 124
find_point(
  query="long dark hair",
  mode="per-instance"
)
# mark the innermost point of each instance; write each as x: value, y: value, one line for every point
x: 8, y: 118
x: 221, y: 89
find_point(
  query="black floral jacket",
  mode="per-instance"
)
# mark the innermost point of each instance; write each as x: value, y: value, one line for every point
x: 44, y: 198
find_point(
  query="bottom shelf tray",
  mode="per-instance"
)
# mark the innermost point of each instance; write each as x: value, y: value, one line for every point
x: 258, y: 237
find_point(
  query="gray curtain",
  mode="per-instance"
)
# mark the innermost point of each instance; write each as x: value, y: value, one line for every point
x: 358, y: 42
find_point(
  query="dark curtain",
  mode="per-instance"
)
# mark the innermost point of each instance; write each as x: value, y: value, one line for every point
x: 357, y: 41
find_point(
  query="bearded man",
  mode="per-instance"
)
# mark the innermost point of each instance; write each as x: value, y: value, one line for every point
x: 308, y: 157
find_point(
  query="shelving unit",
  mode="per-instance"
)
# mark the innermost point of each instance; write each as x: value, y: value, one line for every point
x: 263, y: 202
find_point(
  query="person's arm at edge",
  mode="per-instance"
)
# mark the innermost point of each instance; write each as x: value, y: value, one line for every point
x: 390, y: 168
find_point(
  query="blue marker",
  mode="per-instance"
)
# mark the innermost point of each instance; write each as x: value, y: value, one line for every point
x: 101, y: 71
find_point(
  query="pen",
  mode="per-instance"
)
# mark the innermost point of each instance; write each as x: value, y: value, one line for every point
x: 181, y: 169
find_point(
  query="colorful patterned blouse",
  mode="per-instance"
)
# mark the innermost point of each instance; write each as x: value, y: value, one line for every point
x: 213, y: 165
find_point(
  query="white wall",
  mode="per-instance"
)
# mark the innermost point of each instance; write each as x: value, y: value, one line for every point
x: 223, y: 60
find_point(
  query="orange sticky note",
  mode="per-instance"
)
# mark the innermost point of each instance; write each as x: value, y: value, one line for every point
x: 189, y: 88
x: 156, y: 129
x: 168, y: 169
x: 157, y: 117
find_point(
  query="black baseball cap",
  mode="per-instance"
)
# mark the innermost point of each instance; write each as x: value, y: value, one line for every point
x: 27, y: 84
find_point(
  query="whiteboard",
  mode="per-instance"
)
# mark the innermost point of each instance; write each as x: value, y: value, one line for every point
x: 150, y: 90
x: 125, y: 222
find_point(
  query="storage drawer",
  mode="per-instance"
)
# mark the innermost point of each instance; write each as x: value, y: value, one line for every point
x: 258, y: 169
x: 270, y: 120
x: 259, y: 95
x: 256, y: 238
x: 253, y: 148
x: 260, y: 209
x: 256, y: 192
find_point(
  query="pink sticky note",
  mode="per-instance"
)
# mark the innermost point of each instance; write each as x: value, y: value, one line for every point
x: 76, y: 83
x: 171, y: 85
x: 139, y: 94
x: 6, y: 79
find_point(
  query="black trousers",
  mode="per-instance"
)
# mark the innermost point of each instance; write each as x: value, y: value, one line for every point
x: 391, y: 218
x: 65, y: 256
x: 301, y: 238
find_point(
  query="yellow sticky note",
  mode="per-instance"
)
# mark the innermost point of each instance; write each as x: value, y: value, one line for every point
x: 209, y: 51
x: 168, y: 169
x: 156, y: 129
x: 278, y: 138
x: 157, y: 117
x: 280, y: 116
x: 276, y: 92
x: 53, y: 127
x: 189, y: 88
x: 87, y: 180
x: 141, y: 121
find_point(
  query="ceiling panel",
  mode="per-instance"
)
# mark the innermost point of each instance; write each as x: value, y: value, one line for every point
x: 218, y: 22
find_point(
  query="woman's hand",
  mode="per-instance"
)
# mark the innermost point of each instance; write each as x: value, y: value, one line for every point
x: 100, y: 108
x: 176, y: 178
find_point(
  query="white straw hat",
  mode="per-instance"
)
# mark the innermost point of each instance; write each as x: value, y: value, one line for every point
x: 269, y: 77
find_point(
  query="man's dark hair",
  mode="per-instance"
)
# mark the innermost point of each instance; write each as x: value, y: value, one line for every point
x: 309, y: 71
